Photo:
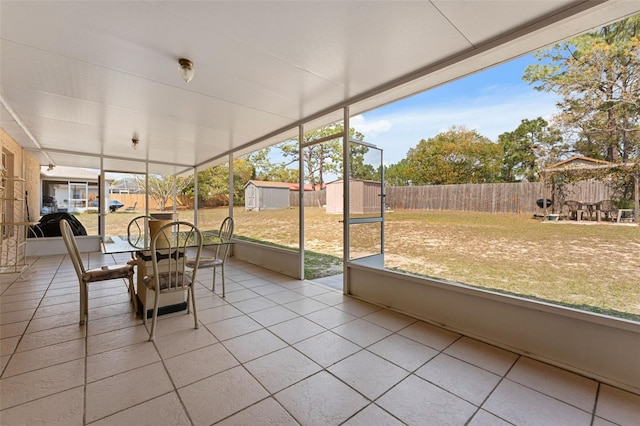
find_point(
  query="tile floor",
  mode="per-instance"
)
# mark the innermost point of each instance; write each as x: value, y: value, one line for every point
x: 276, y: 351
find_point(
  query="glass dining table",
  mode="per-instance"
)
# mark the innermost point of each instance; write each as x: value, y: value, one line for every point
x: 139, y: 246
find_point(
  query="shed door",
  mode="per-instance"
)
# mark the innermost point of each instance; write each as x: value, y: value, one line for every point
x: 366, y: 227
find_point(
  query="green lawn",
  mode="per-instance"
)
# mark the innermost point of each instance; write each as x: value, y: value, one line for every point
x: 594, y: 267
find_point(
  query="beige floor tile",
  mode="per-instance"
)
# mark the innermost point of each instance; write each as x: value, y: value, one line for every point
x: 13, y: 329
x: 59, y: 300
x: 218, y: 313
x: 196, y: 365
x: 417, y: 402
x: 163, y: 410
x: 321, y: 400
x: 9, y: 345
x: 52, y: 336
x: 483, y: 418
x: 254, y: 282
x: 618, y: 406
x: 520, y: 405
x: 368, y: 373
x: 597, y: 421
x: 373, y: 415
x: 273, y: 315
x: 555, y: 382
x: 47, y: 323
x: 21, y: 315
x: 117, y: 322
x: 253, y: 345
x: 403, y: 352
x: 330, y: 317
x: 358, y: 307
x: 266, y: 412
x: 220, y: 396
x: 209, y: 301
x: 233, y: 327
x: 489, y: 357
x: 282, y: 368
x: 469, y: 382
x: 46, y: 356
x: 362, y: 332
x: 61, y: 409
x: 4, y: 360
x: 7, y: 306
x: 116, y: 361
x: 238, y: 296
x: 19, y: 389
x: 296, y: 329
x: 268, y: 289
x: 184, y: 341
x: 116, y: 339
x: 327, y: 348
x: 429, y: 335
x: 332, y: 298
x: 389, y: 319
x: 175, y: 322
x: 125, y: 390
x: 305, y: 306
x: 312, y: 290
x: 49, y: 311
x: 286, y: 296
x: 254, y: 304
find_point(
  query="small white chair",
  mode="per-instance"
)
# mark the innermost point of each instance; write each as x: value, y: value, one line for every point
x: 168, y: 253
x: 104, y: 273
x: 222, y: 251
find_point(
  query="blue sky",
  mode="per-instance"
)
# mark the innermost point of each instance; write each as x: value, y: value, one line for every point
x: 492, y: 102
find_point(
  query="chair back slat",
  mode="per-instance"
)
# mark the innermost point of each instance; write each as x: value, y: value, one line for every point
x: 169, y: 248
x: 226, y: 233
x: 72, y: 247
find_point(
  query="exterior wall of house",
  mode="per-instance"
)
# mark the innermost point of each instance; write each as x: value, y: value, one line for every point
x: 26, y: 188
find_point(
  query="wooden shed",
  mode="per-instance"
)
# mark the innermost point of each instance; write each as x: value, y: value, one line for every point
x: 364, y: 196
x: 265, y: 195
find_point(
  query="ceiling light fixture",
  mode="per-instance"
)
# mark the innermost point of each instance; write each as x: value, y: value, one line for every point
x: 50, y: 167
x: 186, y: 69
x: 134, y: 143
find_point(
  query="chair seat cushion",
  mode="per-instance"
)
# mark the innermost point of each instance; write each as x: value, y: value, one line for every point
x: 168, y: 280
x: 107, y: 273
x: 205, y: 262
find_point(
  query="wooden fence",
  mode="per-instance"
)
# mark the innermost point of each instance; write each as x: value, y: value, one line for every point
x: 311, y: 198
x: 491, y: 197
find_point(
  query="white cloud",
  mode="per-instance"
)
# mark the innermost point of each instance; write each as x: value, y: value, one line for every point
x: 401, y: 128
x: 370, y: 128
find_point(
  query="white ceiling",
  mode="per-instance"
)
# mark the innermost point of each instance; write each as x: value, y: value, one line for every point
x: 79, y: 79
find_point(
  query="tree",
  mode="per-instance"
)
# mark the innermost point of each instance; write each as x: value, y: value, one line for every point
x: 213, y: 182
x: 597, y: 75
x: 397, y: 174
x: 161, y: 188
x: 454, y: 157
x: 323, y: 158
x: 528, y: 148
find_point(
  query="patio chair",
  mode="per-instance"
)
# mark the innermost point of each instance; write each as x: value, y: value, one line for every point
x: 104, y: 273
x: 138, y: 231
x: 131, y: 208
x: 222, y: 251
x: 168, y: 254
x: 607, y: 210
x: 575, y: 210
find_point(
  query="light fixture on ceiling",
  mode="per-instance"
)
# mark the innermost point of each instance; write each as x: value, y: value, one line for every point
x: 50, y: 167
x: 135, y: 142
x: 186, y: 69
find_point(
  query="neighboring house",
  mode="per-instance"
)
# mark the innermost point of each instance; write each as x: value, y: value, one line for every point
x: 265, y: 195
x: 68, y: 189
x: 365, y: 197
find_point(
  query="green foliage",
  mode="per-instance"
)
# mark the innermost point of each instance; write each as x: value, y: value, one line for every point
x: 454, y: 157
x: 213, y: 183
x: 533, y: 145
x: 397, y: 174
x: 597, y: 76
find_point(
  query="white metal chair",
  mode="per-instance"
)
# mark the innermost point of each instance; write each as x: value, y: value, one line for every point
x: 222, y: 251
x: 104, y: 273
x: 138, y: 231
x: 168, y: 253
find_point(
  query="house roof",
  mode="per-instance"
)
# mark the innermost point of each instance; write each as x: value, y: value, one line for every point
x: 68, y: 173
x: 80, y: 80
x: 578, y: 162
x: 270, y: 184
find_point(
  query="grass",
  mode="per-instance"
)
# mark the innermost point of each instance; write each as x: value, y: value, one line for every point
x: 589, y: 267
